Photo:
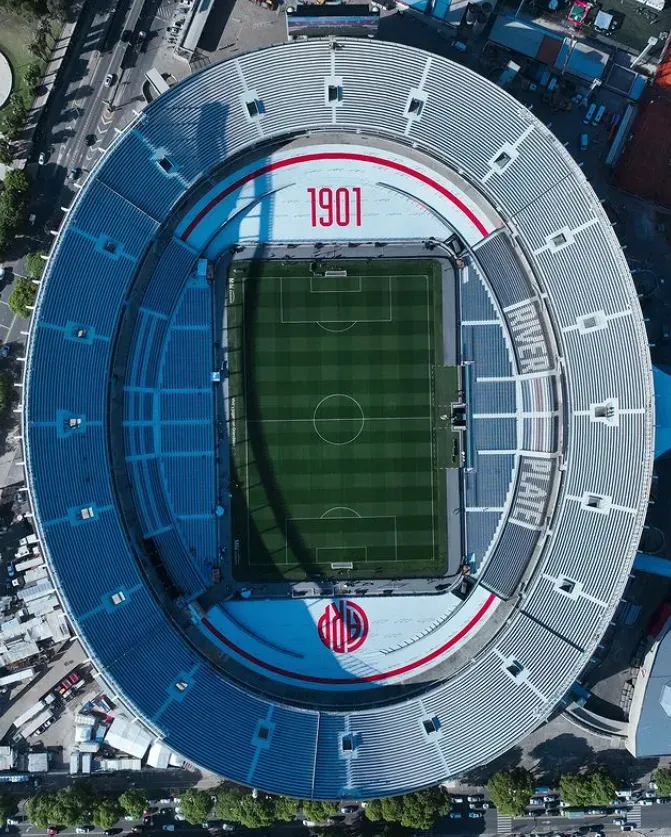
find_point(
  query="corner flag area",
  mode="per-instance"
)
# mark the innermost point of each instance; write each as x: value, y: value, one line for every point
x: 333, y: 419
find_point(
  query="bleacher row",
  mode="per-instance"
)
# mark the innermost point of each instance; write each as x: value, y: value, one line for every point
x: 176, y: 142
x: 169, y: 420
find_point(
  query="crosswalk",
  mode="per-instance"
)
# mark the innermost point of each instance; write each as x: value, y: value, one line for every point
x: 504, y: 825
x: 634, y: 815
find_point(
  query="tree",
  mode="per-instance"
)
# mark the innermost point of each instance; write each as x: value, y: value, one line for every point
x: 257, y: 813
x: 6, y: 152
x: 38, y: 809
x: 8, y: 806
x: 286, y: 808
x: 14, y: 116
x: 133, y: 801
x: 196, y: 804
x: 510, y: 790
x: 106, y: 812
x: 33, y: 77
x: 35, y: 264
x: 22, y: 297
x: 318, y: 811
x: 662, y: 777
x: 580, y: 789
x: 413, y: 810
x: 58, y: 9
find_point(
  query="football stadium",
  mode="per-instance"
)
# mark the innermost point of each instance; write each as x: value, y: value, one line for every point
x: 338, y: 419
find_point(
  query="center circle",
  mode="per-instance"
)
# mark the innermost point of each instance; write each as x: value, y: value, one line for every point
x: 338, y: 419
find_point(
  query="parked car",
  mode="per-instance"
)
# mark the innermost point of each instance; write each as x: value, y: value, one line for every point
x: 52, y: 831
x: 624, y: 811
x: 661, y: 800
x: 309, y: 823
x: 455, y: 815
x: 42, y: 159
x: 534, y: 801
x: 596, y: 812
x: 109, y: 79
x: 476, y: 797
x: 4, y: 351
x: 180, y: 817
x: 166, y: 811
x: 352, y: 809
x: 83, y: 829
x: 552, y: 812
x: 486, y: 804
x: 646, y: 802
x: 128, y: 818
x: 650, y: 794
x: 475, y: 815
x: 137, y: 829
x: 457, y: 800
x: 147, y: 820
x: 227, y: 826
x: 619, y: 821
x: 551, y: 797
x: 629, y: 827
x: 12, y: 821
x: 74, y: 174
x: 169, y: 827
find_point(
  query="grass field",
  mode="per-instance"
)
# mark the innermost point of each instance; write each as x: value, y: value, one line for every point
x: 333, y: 419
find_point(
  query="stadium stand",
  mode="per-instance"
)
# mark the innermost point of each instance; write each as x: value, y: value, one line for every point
x: 597, y: 501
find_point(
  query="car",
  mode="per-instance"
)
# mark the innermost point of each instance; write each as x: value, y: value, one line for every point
x: 180, y: 817
x: 137, y: 829
x: 646, y: 802
x: 352, y: 809
x: 74, y: 173
x: 148, y: 811
x: 552, y: 812
x: 487, y: 804
x: 595, y: 812
x: 227, y: 826
x: 12, y: 821
x: 455, y: 815
x: 475, y: 815
x: 91, y: 139
x: 151, y: 802
x: 83, y: 829
x: 109, y: 79
x: 535, y: 801
x: 128, y: 818
x: 176, y: 800
x: 146, y: 820
x: 624, y: 811
x: 42, y: 159
x: 662, y: 800
x: 476, y: 797
x: 166, y: 811
x: 652, y: 785
x: 551, y: 797
x: 619, y: 821
x: 650, y: 795
x: 52, y: 831
x: 166, y: 801
x: 629, y: 827
x: 309, y: 823
x: 475, y: 805
x: 457, y: 800
x: 169, y: 827
x: 4, y: 352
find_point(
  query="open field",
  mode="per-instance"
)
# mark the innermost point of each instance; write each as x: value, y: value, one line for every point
x: 334, y: 419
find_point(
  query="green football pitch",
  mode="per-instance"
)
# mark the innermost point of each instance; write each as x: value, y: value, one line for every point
x: 337, y: 419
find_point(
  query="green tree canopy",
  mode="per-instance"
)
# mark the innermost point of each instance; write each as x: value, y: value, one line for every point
x: 594, y: 788
x: 106, y: 812
x: 662, y: 777
x: 196, y: 805
x: 35, y: 264
x: 318, y: 811
x: 22, y: 297
x: 510, y: 790
x: 413, y: 810
x: 8, y: 806
x: 133, y: 801
x: 286, y: 808
x: 38, y: 809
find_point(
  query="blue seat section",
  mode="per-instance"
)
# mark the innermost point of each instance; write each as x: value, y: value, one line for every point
x: 196, y: 307
x: 187, y: 443
x: 188, y: 359
x: 172, y: 270
x: 494, y: 434
x: 104, y: 213
x: 86, y: 285
x: 330, y: 784
x: 78, y: 475
x: 493, y: 397
x: 294, y: 730
x: 476, y: 304
x: 480, y: 529
x: 133, y: 171
x: 66, y: 363
x: 486, y: 346
x: 160, y: 658
x: 512, y: 554
x: 147, y: 484
x: 489, y: 482
x: 502, y: 266
x: 114, y: 629
x: 146, y: 350
x: 139, y: 440
x: 178, y: 561
x: 93, y: 561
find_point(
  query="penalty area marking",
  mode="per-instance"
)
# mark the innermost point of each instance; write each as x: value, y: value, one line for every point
x: 357, y: 517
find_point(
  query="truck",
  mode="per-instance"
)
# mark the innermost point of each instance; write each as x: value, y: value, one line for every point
x: 32, y: 726
x: 573, y: 813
